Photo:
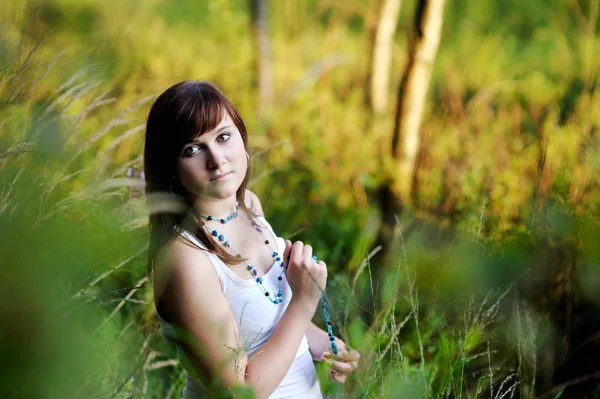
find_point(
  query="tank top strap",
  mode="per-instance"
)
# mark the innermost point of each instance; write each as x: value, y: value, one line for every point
x: 280, y: 241
x: 267, y: 224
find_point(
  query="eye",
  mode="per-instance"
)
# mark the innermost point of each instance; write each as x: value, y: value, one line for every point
x: 223, y: 137
x: 191, y: 150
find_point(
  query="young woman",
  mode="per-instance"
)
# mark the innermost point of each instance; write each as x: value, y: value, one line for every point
x: 236, y: 299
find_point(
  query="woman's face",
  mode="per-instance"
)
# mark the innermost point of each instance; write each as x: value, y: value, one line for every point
x: 214, y: 165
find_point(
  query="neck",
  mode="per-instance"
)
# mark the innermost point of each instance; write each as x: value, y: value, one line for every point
x: 217, y: 208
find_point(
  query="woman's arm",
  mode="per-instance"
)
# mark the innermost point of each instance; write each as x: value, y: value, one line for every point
x: 196, y: 305
x: 342, y: 364
x: 319, y: 338
x: 195, y: 302
x: 318, y: 341
x: 271, y: 362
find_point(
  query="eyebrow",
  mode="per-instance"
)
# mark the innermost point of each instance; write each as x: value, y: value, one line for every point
x: 216, y: 132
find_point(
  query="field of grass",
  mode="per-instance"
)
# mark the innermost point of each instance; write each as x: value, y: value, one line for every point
x: 490, y: 287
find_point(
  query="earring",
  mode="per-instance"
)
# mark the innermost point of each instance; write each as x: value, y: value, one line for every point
x: 170, y: 181
x: 248, y: 158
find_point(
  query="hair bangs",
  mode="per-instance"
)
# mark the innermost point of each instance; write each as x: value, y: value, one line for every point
x: 179, y: 115
x: 199, y: 111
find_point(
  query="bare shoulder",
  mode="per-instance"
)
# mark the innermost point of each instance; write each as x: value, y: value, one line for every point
x: 180, y: 270
x: 253, y: 202
x: 194, y: 301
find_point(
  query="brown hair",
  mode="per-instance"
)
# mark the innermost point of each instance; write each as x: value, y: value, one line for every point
x: 180, y: 114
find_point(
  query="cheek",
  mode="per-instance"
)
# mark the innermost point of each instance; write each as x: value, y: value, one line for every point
x: 240, y: 150
x: 188, y: 171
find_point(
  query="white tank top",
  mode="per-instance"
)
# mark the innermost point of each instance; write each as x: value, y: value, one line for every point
x: 256, y: 318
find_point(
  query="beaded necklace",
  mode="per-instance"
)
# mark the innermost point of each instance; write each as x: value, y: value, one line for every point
x: 278, y: 297
x: 222, y: 220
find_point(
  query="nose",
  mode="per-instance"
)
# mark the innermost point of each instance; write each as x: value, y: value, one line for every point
x: 215, y: 158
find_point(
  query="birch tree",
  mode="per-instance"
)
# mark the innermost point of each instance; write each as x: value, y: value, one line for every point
x: 412, y: 94
x: 395, y: 193
x: 382, y: 55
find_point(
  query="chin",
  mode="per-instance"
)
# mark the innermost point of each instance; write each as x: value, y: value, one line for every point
x: 227, y: 192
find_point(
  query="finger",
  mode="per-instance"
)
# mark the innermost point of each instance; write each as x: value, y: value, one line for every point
x: 307, y: 252
x: 341, y: 345
x: 287, y: 251
x: 323, y: 268
x: 348, y: 355
x: 341, y: 367
x: 341, y: 349
x: 296, y: 255
x: 325, y: 360
x: 337, y: 377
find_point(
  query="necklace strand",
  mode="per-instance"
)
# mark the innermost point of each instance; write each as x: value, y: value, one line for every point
x: 324, y: 307
x: 279, y: 296
x: 222, y: 220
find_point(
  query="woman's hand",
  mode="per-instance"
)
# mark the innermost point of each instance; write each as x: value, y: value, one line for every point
x: 343, y: 364
x: 306, y: 277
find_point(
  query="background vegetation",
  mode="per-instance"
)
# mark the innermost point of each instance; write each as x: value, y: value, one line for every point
x: 490, y: 284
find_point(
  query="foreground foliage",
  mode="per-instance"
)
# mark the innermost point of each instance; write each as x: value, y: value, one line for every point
x: 491, y: 290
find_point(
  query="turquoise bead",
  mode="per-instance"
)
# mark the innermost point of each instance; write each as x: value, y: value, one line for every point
x: 275, y: 298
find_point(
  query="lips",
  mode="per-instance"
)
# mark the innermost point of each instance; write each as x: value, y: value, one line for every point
x: 220, y: 176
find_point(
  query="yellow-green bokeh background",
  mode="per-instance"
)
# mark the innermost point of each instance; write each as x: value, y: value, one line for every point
x: 515, y: 85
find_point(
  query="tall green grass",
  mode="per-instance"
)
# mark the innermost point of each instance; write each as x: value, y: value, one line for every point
x: 491, y: 287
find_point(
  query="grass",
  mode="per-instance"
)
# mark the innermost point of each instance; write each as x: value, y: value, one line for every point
x: 488, y: 290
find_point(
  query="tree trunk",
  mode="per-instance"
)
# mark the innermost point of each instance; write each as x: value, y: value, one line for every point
x: 395, y: 193
x: 412, y: 94
x: 264, y: 62
x: 382, y: 55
